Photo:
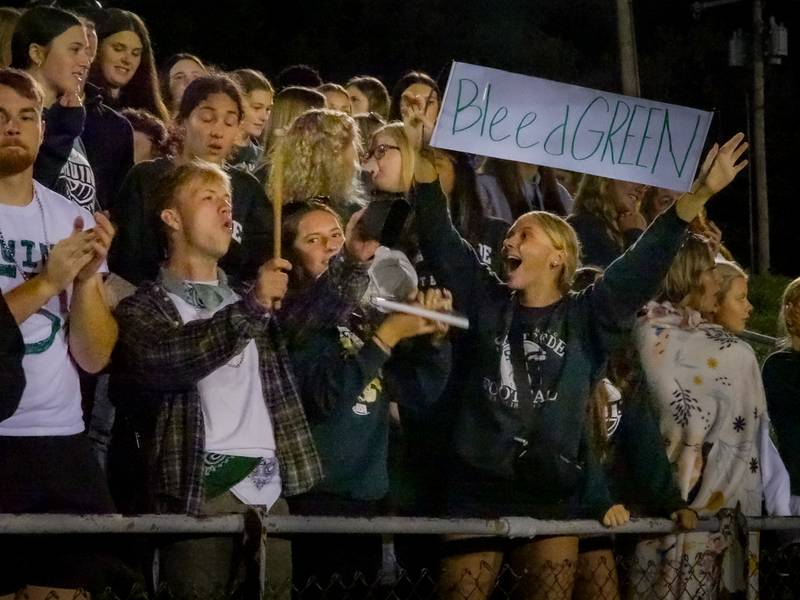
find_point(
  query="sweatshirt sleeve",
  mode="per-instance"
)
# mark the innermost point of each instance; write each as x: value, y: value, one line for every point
x: 62, y: 125
x: 649, y: 478
x: 161, y: 354
x: 634, y: 278
x: 329, y: 300
x: 135, y: 252
x: 330, y: 378
x: 454, y: 263
x: 416, y: 375
x: 257, y: 230
x: 595, y: 495
x: 12, y: 375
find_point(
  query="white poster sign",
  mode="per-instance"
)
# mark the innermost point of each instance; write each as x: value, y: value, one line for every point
x: 527, y: 119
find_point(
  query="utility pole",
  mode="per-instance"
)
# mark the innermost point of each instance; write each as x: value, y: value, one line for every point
x: 759, y: 152
x: 626, y: 35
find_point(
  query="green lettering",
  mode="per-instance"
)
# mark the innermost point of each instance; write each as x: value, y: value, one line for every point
x: 612, y: 132
x: 523, y: 123
x: 628, y: 134
x: 563, y: 127
x: 496, y: 121
x: 665, y: 130
x: 462, y: 107
x: 578, y: 126
x: 645, y: 137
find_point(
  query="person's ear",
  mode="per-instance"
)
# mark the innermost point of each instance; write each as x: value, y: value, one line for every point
x: 171, y: 219
x: 556, y: 259
x: 37, y: 54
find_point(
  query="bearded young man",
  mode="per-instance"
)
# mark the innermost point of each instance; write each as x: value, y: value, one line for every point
x: 51, y: 252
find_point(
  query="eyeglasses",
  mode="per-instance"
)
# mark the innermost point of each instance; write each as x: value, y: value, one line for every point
x: 379, y: 151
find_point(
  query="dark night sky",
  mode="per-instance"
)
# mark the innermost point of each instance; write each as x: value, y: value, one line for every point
x: 682, y: 60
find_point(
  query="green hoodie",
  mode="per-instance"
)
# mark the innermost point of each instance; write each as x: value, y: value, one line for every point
x: 566, y: 346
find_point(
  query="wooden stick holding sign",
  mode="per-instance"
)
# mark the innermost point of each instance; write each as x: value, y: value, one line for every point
x: 277, y: 203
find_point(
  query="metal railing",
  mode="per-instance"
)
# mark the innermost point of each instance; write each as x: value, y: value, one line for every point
x: 776, y: 577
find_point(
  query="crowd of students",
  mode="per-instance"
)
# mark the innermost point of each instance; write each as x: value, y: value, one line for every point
x: 158, y: 355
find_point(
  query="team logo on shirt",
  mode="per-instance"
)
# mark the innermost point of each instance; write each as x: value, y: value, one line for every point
x: 8, y: 253
x: 542, y: 351
x: 351, y: 344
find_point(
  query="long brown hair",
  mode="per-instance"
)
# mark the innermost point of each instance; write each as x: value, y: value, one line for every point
x: 594, y: 198
x: 293, y: 214
x: 142, y: 91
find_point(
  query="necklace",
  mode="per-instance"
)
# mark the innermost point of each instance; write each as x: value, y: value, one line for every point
x: 7, y: 251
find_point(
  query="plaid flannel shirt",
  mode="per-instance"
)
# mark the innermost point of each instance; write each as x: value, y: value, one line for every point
x: 163, y: 359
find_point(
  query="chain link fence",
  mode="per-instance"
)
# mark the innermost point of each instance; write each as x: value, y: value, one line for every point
x: 404, y: 562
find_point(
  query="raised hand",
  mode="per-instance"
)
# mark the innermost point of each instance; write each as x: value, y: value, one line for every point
x: 441, y: 300
x: 272, y: 283
x: 399, y: 326
x: 721, y: 165
x: 419, y: 124
x: 359, y: 248
x: 719, y: 168
x: 101, y: 236
x: 68, y: 257
x: 72, y: 97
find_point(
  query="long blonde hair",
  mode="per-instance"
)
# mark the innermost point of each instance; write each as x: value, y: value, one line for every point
x: 683, y: 277
x: 728, y: 271
x: 787, y: 329
x: 396, y: 130
x: 594, y: 198
x: 288, y: 104
x: 309, y: 159
x: 562, y: 236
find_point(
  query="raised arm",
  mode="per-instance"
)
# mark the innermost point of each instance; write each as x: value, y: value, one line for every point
x: 635, y: 277
x: 452, y: 260
x: 160, y: 353
x: 64, y: 122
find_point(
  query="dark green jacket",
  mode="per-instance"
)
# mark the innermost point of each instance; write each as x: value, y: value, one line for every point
x: 638, y: 467
x: 344, y: 391
x: 590, y: 323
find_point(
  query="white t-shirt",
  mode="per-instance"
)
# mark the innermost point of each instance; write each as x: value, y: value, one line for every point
x: 51, y: 402
x: 235, y: 416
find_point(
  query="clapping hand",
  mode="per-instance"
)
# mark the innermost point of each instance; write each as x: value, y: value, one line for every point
x: 100, y: 238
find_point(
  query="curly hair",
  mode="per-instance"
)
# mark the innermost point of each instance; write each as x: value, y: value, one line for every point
x: 309, y: 159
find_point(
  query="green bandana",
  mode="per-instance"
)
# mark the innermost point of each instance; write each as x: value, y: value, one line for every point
x: 223, y: 471
x: 200, y: 295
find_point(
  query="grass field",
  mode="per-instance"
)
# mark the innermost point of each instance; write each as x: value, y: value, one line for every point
x: 765, y: 295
